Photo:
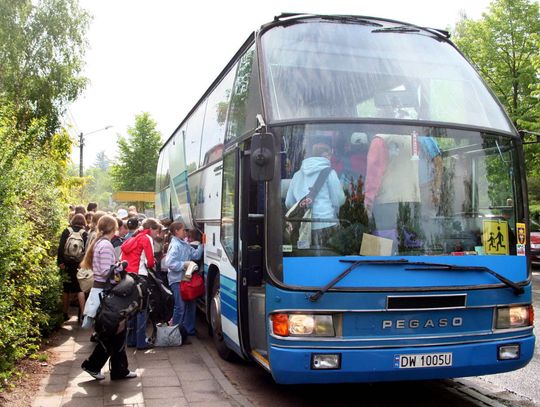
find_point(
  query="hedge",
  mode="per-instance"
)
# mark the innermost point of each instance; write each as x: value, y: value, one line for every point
x: 31, y: 216
x: 534, y: 212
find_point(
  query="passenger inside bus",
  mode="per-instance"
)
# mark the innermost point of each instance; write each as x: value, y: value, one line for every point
x: 403, y: 183
x: 350, y: 160
x: 325, y: 203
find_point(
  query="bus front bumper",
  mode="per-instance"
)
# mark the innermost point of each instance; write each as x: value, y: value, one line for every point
x: 295, y: 365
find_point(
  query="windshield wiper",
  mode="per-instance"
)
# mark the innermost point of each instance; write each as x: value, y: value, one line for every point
x: 423, y: 266
x: 354, y: 19
x: 355, y: 264
x: 438, y: 266
x: 398, y: 29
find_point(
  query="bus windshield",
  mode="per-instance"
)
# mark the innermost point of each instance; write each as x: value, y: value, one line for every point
x: 324, y: 69
x: 388, y: 190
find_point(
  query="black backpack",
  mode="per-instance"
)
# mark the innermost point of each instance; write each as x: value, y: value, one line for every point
x: 118, y: 303
x: 160, y: 300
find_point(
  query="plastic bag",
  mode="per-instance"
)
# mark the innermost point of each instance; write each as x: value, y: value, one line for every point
x: 169, y: 335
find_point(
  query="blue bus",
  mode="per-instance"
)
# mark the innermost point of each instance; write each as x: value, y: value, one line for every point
x: 362, y: 198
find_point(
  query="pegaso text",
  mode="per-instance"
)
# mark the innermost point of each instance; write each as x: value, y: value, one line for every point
x: 416, y: 323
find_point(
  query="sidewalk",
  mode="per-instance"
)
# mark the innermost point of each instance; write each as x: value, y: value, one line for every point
x: 167, y: 377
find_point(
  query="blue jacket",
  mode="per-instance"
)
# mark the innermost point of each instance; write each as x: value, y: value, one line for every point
x: 328, y: 200
x: 180, y: 252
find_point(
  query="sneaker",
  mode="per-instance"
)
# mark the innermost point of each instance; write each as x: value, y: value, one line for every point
x: 130, y: 375
x: 148, y: 345
x: 95, y: 375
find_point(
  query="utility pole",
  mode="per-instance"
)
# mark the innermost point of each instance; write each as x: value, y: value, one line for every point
x: 81, y: 147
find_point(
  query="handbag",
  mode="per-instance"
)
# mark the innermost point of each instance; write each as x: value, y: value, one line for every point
x: 169, y: 335
x: 86, y: 279
x: 192, y: 289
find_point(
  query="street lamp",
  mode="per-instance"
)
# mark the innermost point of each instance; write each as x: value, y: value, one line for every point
x: 81, y: 145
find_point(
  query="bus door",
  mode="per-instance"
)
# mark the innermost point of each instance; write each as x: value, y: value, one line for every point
x: 237, y: 303
x: 250, y: 283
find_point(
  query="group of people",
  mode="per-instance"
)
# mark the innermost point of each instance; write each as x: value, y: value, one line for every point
x: 144, y: 243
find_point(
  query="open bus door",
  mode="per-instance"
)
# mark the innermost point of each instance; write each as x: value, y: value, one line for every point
x: 252, y: 231
x: 236, y: 309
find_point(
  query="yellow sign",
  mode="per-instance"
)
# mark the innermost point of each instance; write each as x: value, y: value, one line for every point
x: 495, y: 236
x: 521, y: 235
x: 133, y: 196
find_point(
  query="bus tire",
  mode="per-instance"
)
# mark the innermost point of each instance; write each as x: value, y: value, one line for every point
x: 215, y: 324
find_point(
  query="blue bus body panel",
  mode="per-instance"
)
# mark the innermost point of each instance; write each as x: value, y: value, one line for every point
x: 366, y: 365
x: 277, y: 298
x: 372, y: 335
x: 366, y: 322
x: 318, y: 271
x: 229, y: 302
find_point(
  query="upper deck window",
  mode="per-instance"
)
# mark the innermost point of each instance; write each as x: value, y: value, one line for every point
x: 322, y: 69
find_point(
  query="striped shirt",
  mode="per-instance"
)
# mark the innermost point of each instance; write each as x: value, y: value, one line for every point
x: 104, y: 258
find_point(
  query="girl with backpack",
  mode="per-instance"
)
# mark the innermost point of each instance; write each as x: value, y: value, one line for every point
x: 70, y: 254
x: 100, y: 257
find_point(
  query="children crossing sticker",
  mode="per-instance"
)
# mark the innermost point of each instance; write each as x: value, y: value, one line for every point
x: 495, y: 237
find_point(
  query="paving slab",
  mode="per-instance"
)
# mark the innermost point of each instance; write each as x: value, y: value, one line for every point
x: 182, y: 376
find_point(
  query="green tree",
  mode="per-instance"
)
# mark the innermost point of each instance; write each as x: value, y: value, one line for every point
x: 502, y: 45
x: 42, y: 44
x: 102, y: 161
x: 138, y: 156
x: 98, y: 187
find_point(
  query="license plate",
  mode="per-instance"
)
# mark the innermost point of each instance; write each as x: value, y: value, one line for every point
x: 423, y: 360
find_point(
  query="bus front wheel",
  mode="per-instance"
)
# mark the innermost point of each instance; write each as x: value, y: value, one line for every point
x: 215, y: 324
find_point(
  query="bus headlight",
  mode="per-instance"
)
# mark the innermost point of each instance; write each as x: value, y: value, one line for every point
x: 302, y: 325
x: 514, y: 317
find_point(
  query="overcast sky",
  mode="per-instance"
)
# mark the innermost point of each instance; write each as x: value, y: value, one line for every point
x: 160, y: 56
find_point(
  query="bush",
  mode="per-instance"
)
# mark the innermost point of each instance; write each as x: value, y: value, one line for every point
x: 534, y: 212
x: 31, y: 215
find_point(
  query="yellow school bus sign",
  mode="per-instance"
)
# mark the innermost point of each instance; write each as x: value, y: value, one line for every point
x: 495, y: 237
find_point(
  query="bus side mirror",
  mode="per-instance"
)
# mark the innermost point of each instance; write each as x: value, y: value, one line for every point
x: 262, y: 157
